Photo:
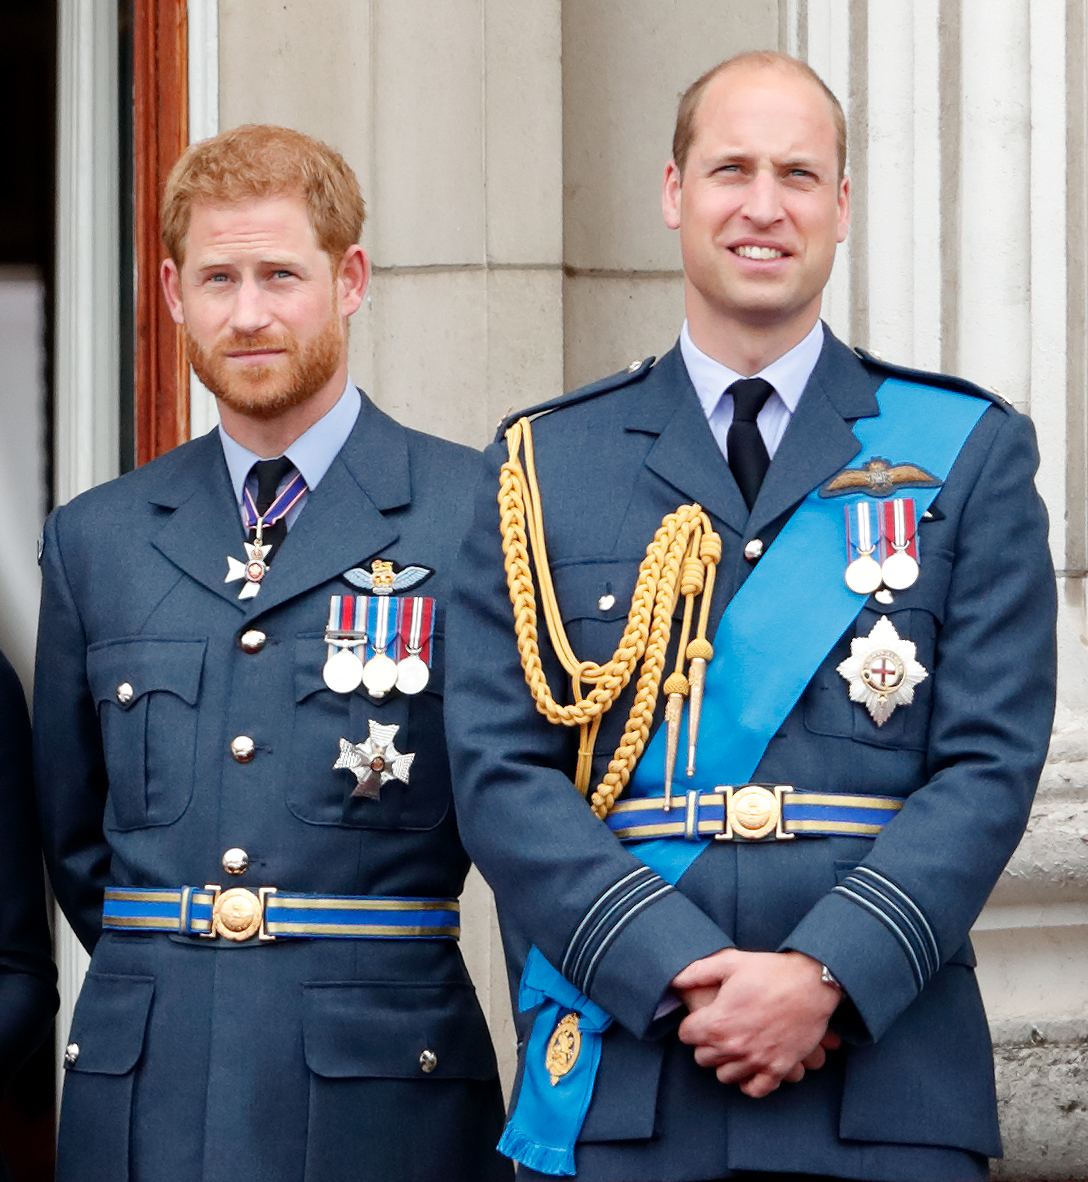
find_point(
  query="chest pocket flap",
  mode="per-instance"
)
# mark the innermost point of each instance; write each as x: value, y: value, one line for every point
x: 146, y: 690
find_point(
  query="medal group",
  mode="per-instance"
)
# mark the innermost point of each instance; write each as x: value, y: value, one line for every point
x: 882, y: 557
x: 381, y: 642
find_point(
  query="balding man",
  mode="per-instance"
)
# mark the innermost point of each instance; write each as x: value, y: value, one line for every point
x: 765, y: 722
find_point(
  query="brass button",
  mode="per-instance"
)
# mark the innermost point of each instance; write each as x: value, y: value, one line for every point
x: 242, y: 748
x: 235, y: 861
x: 606, y: 602
x: 71, y: 1053
x: 753, y: 549
x: 125, y: 693
x: 252, y: 641
x: 428, y: 1061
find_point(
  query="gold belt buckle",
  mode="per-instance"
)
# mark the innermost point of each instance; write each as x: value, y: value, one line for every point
x: 238, y: 913
x: 753, y: 812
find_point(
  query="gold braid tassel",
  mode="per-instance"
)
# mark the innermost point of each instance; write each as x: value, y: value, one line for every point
x: 683, y: 541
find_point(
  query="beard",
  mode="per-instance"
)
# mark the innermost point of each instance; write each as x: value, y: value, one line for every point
x: 267, y: 391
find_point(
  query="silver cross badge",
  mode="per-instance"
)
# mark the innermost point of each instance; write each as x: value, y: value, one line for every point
x: 253, y: 570
x: 375, y: 761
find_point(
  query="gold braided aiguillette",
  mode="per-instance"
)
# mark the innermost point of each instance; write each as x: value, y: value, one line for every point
x: 681, y: 560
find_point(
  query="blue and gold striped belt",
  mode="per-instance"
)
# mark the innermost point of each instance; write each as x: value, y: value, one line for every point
x: 240, y: 914
x: 753, y: 812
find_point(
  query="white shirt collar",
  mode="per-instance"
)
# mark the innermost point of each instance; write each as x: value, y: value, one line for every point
x: 312, y: 452
x: 788, y: 374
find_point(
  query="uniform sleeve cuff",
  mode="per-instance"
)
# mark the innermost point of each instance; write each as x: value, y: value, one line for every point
x: 866, y: 957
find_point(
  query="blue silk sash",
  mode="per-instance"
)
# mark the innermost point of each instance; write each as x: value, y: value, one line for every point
x: 773, y: 636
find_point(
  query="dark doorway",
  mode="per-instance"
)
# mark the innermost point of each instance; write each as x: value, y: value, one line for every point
x: 28, y: 37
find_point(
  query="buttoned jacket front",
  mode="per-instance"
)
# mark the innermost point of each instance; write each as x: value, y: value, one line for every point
x: 297, y: 1058
x: 912, y: 1095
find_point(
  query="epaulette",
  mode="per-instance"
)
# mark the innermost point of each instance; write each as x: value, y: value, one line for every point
x: 635, y: 372
x: 927, y: 378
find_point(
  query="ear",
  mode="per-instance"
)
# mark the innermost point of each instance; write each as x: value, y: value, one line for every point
x: 352, y: 279
x: 171, y: 288
x: 670, y: 196
x: 844, y: 209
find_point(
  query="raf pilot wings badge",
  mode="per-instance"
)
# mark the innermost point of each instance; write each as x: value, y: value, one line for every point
x: 878, y: 477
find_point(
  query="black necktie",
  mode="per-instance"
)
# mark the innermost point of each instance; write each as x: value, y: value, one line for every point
x: 270, y: 475
x: 748, y: 459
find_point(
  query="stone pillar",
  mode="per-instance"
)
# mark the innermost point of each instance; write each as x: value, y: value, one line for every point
x: 967, y: 161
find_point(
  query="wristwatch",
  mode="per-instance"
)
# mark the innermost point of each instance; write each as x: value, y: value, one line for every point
x: 829, y: 978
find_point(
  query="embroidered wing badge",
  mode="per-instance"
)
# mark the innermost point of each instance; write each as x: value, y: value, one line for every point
x: 878, y: 477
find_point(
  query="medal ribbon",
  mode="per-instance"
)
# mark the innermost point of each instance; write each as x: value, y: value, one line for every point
x: 760, y: 668
x: 378, y: 614
x: 347, y: 613
x: 900, y: 531
x: 280, y: 507
x: 415, y: 627
x: 859, y: 537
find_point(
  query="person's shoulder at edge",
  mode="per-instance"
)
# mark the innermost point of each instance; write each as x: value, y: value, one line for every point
x: 634, y: 373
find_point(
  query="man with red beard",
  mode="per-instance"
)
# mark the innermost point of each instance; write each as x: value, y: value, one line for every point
x: 240, y: 758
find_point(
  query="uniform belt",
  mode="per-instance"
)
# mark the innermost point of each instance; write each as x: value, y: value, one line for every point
x: 753, y: 812
x: 268, y: 914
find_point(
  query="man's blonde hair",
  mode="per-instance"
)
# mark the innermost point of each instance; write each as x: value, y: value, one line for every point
x: 261, y: 160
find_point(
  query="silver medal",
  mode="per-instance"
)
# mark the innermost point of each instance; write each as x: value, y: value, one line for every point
x: 863, y: 575
x: 900, y: 571
x: 412, y: 674
x: 343, y: 671
x: 379, y: 675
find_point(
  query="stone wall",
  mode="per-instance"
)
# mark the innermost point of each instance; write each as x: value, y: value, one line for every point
x: 511, y: 155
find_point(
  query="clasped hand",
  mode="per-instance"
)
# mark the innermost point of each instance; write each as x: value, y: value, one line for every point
x: 758, y: 1018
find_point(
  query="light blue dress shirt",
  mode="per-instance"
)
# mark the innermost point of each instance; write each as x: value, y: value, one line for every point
x: 312, y: 452
x: 788, y: 375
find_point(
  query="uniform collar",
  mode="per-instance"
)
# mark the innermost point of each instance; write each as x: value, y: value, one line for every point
x: 311, y: 453
x: 788, y: 374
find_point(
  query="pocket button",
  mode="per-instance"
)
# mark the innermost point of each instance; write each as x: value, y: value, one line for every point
x: 242, y: 749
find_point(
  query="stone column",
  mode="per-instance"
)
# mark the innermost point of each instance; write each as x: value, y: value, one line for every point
x: 967, y: 160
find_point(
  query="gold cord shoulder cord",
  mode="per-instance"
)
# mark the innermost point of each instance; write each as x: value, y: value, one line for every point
x: 681, y: 560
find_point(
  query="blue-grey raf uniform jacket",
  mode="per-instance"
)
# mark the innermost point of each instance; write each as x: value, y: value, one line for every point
x: 911, y: 1097
x: 300, y: 1059
x: 28, y: 995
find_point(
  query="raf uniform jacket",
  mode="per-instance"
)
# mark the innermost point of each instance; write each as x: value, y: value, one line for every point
x: 28, y: 995
x: 912, y: 1095
x: 201, y: 1059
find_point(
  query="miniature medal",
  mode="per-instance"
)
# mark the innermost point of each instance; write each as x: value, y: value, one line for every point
x: 900, y: 568
x: 863, y: 575
x: 343, y: 672
x: 375, y: 761
x: 345, y: 635
x: 380, y: 671
x: 253, y: 570
x: 414, y: 630
x: 882, y: 671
